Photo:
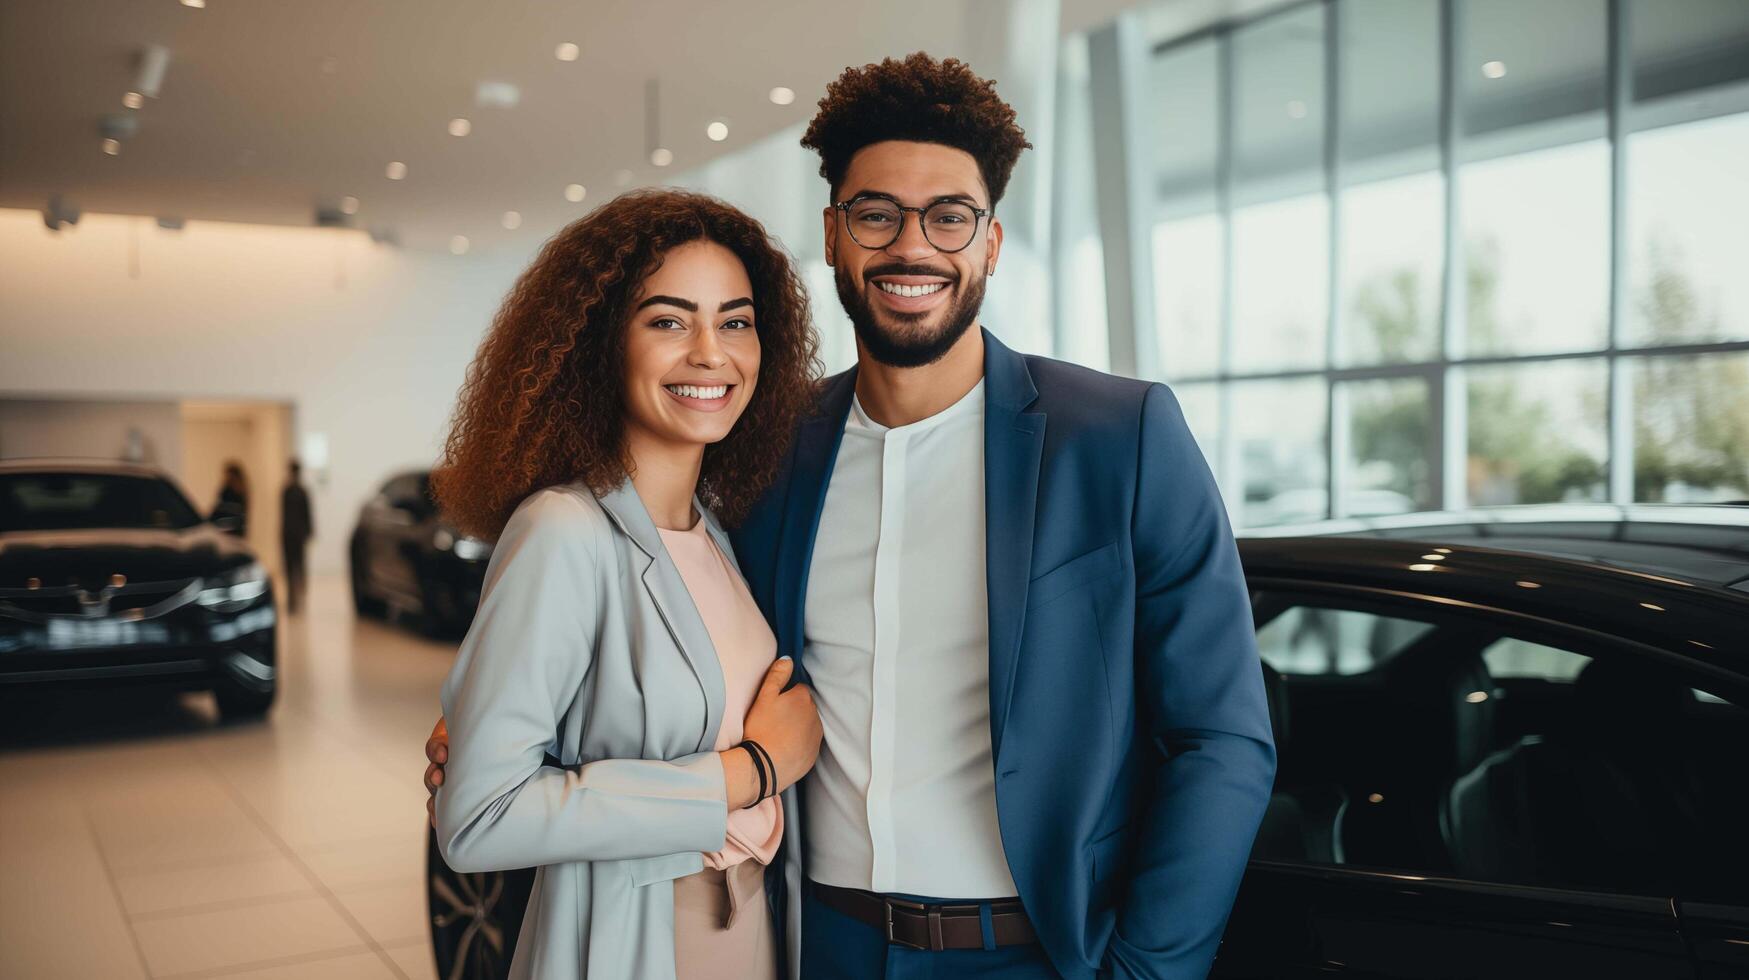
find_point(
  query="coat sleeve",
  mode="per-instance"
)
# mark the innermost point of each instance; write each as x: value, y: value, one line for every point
x: 518, y: 672
x: 1200, y: 694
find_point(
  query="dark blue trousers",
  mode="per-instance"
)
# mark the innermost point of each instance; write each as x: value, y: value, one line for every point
x: 837, y: 947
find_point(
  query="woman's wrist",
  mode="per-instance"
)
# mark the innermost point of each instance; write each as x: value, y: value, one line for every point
x: 740, y: 779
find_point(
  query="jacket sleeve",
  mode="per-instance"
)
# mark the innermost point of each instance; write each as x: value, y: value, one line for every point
x: 518, y: 672
x: 1200, y: 694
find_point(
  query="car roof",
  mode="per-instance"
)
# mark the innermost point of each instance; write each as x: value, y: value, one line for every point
x: 1702, y: 544
x: 76, y: 464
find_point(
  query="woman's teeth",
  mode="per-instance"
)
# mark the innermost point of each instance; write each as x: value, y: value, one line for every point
x: 899, y: 290
x: 703, y: 393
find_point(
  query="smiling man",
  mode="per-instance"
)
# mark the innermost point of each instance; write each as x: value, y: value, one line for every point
x: 1012, y: 585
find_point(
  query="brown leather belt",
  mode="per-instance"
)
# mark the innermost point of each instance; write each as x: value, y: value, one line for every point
x: 932, y: 927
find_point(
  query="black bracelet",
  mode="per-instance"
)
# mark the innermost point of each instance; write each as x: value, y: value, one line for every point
x: 758, y: 767
x: 766, y: 789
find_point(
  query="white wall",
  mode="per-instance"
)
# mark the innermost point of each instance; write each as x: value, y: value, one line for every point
x: 97, y: 429
x: 368, y: 342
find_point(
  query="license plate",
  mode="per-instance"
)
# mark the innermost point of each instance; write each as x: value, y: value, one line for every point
x: 93, y: 633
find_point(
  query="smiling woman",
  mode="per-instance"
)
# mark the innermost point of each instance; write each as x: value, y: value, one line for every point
x: 612, y: 337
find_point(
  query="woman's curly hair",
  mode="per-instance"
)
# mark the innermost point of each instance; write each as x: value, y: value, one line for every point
x: 543, y: 403
x: 922, y: 100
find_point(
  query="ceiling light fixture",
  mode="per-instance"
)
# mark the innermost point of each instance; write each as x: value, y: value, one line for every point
x: 112, y: 146
x: 1494, y: 69
x: 512, y: 220
x: 458, y: 245
x: 349, y: 205
x: 396, y: 170
x: 574, y: 192
x: 661, y: 156
x: 717, y: 131
x: 567, y: 52
x: 460, y: 127
x: 133, y: 100
x: 782, y: 96
x: 154, y: 60
x: 196, y: 4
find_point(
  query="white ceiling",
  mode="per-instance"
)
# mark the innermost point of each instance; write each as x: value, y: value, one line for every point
x: 271, y: 108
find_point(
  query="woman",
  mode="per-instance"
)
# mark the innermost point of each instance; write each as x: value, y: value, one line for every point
x: 231, y: 511
x: 640, y: 382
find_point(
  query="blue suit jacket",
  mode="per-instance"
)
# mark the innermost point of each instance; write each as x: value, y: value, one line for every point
x: 1133, y: 753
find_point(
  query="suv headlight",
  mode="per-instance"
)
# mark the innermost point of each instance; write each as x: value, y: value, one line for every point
x: 235, y: 587
x: 462, y: 546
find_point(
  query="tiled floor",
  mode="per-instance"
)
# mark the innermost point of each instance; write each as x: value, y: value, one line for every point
x: 139, y: 838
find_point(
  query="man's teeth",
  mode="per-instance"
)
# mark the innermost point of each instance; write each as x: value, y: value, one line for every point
x: 699, y: 391
x: 899, y: 290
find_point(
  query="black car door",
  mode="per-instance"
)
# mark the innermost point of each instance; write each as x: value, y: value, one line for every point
x: 1422, y: 829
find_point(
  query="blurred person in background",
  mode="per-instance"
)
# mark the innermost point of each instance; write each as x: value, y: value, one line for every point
x: 617, y: 713
x: 231, y: 511
x: 296, y: 528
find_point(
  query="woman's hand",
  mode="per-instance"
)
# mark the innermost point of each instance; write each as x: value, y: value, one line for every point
x: 786, y: 724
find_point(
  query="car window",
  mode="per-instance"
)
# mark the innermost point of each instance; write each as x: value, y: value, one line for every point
x: 67, y: 501
x: 1312, y: 639
x: 1448, y: 749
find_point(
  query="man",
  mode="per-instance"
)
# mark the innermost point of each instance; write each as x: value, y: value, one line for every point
x: 1012, y: 586
x: 296, y: 528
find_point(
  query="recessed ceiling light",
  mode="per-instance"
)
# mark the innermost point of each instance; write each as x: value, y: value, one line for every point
x: 512, y: 220
x: 1494, y: 69
x: 574, y: 192
x: 661, y: 156
x: 567, y: 52
x: 112, y: 147
x: 133, y: 100
x: 197, y: 4
x: 396, y: 170
x: 717, y: 131
x: 460, y: 127
x: 349, y: 205
x: 458, y: 245
x: 782, y: 96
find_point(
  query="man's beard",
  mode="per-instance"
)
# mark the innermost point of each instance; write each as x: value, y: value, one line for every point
x: 909, y: 350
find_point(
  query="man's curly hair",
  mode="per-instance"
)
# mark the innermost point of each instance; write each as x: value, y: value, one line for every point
x: 543, y: 402
x: 922, y: 100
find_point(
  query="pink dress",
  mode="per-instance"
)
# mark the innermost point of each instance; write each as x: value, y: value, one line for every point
x: 722, y: 928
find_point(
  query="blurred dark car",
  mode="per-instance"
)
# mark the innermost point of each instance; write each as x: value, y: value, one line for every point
x: 108, y: 575
x: 406, y: 557
x: 1512, y: 743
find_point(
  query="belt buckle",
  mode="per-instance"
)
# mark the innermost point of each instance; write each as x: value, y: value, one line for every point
x: 889, y: 904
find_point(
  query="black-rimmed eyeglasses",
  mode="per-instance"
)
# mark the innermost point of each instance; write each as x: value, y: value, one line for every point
x: 877, y: 222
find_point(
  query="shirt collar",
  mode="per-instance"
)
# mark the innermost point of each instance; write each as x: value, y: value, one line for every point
x: 969, y: 403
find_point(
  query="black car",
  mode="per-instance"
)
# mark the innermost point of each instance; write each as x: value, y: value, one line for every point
x: 108, y: 575
x: 406, y: 557
x: 1512, y: 744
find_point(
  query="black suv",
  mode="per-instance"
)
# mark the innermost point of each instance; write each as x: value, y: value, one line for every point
x: 406, y: 557
x: 108, y: 575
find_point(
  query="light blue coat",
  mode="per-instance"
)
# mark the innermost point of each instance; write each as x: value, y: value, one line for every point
x: 587, y: 647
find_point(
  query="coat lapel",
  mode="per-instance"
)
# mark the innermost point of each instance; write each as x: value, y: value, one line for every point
x: 668, y: 591
x: 816, y: 451
x: 1014, y: 441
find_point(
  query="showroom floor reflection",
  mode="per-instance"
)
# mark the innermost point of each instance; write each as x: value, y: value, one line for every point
x: 142, y: 839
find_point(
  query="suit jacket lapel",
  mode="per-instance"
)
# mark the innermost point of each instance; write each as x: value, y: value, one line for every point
x: 1014, y: 441
x: 816, y: 450
x: 668, y: 591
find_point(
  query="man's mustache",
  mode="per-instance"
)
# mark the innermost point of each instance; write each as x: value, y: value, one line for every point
x: 897, y: 269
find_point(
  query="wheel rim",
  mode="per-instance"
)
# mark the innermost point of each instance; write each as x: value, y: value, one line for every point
x: 463, y: 914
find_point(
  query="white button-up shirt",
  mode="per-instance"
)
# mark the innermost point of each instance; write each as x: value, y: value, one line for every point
x: 903, y: 798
